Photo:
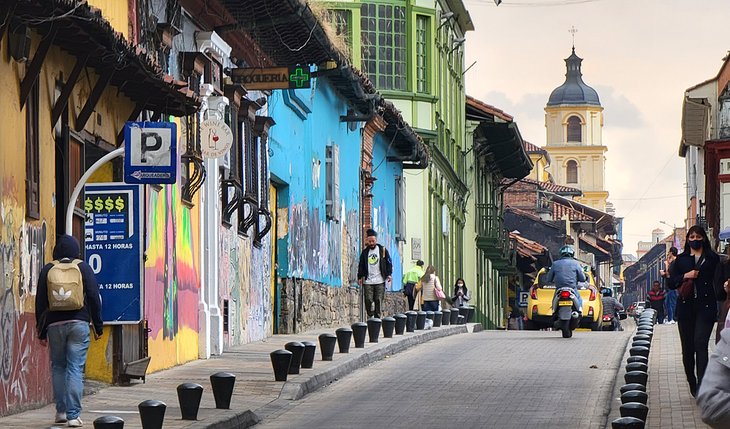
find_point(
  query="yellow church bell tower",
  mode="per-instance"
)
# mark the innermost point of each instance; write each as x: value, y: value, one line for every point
x: 574, y: 123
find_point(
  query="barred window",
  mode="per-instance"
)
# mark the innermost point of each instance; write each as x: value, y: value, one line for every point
x: 574, y: 129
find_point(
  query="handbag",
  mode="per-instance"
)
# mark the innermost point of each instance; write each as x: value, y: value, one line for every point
x: 439, y: 293
x: 687, y: 287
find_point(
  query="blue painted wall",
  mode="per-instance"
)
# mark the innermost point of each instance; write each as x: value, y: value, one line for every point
x: 307, y: 120
x: 384, y: 204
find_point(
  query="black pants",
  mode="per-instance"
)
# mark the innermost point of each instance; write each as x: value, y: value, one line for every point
x: 695, y: 337
x: 659, y: 307
x: 409, y: 290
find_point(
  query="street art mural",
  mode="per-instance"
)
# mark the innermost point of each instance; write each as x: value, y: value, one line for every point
x: 24, y: 363
x: 172, y: 282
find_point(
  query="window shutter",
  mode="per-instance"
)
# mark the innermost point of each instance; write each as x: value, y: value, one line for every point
x: 400, y: 208
x: 333, y: 183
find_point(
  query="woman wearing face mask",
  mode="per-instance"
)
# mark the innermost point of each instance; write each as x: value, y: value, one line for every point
x: 461, y: 294
x: 696, y: 312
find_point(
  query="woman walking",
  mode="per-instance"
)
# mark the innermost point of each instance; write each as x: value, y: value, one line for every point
x: 692, y: 274
x: 429, y: 283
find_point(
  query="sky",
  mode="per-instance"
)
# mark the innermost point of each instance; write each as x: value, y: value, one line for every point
x: 639, y: 55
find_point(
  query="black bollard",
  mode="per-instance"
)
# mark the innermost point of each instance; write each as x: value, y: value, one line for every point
x: 388, y: 327
x: 297, y: 350
x: 359, y: 331
x: 470, y: 315
x: 639, y: 351
x: 109, y: 422
x: 281, y: 360
x: 222, y: 385
x: 634, y: 409
x: 645, y: 326
x: 627, y: 423
x: 642, y: 337
x: 445, y: 317
x: 637, y: 366
x: 188, y: 395
x: 645, y: 332
x: 437, y: 316
x: 461, y: 320
x: 420, y: 320
x: 400, y: 323
x: 636, y: 377
x: 310, y: 348
x: 454, y: 316
x: 644, y: 343
x: 429, y: 315
x: 374, y: 325
x: 152, y: 414
x: 411, y: 321
x: 640, y: 359
x: 344, y: 337
x: 634, y: 396
x: 464, y: 311
x: 633, y: 386
x: 327, y: 344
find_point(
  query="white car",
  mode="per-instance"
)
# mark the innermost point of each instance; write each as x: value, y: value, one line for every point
x: 640, y: 306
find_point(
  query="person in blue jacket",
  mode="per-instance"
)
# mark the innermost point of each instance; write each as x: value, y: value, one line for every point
x: 567, y: 272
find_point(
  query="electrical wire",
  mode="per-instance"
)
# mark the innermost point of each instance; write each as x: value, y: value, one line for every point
x: 671, y: 156
x: 545, y: 3
x: 281, y: 39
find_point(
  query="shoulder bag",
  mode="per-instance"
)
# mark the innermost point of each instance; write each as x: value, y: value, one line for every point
x: 687, y: 287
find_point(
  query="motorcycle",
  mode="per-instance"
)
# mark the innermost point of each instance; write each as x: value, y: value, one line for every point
x: 566, y: 315
x: 610, y: 323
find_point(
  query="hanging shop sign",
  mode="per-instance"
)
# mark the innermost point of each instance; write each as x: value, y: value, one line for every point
x: 295, y: 77
x: 150, y: 152
x: 215, y: 137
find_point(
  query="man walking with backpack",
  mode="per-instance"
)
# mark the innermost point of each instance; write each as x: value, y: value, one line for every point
x: 67, y: 301
x: 374, y: 269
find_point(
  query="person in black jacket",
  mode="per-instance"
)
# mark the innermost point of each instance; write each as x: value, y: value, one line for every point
x: 374, y: 269
x: 696, y: 314
x: 67, y: 333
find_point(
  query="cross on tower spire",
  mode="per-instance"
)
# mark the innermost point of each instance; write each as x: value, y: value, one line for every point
x: 572, y: 31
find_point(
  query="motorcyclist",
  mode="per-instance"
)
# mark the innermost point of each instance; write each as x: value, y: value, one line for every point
x: 567, y: 272
x: 612, y: 306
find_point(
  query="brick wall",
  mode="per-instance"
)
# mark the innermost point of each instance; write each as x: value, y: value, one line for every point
x: 522, y: 196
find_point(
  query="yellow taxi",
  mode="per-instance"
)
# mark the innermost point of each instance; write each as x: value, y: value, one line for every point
x: 540, y: 302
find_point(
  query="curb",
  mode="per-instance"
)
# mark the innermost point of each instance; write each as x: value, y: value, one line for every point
x: 614, y: 402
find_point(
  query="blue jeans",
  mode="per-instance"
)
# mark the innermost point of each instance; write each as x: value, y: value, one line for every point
x: 69, y: 343
x: 430, y: 306
x: 671, y: 303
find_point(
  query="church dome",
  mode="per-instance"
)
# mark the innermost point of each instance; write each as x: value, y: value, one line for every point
x: 574, y: 91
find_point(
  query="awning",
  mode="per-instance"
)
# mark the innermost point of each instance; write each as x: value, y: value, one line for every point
x: 695, y: 119
x: 501, y: 144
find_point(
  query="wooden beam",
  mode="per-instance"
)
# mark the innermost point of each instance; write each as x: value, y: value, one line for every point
x: 34, y: 69
x: 132, y: 117
x: 94, y: 97
x: 6, y: 13
x: 62, y: 101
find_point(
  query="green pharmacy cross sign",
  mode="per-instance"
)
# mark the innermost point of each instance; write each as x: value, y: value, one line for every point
x: 258, y: 78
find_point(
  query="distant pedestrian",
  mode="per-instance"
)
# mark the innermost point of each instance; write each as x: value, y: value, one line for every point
x: 461, y: 294
x: 430, y: 282
x: 410, y: 279
x: 713, y: 398
x: 722, y: 277
x: 66, y: 301
x: 374, y: 269
x: 671, y: 294
x: 692, y: 274
x: 656, y: 300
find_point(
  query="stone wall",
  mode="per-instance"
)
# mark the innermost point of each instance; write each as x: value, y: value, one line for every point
x: 308, y: 305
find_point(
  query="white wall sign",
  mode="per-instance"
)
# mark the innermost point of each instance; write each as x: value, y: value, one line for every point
x: 215, y: 138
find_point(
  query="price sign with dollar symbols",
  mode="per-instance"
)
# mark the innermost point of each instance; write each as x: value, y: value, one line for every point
x: 113, y: 242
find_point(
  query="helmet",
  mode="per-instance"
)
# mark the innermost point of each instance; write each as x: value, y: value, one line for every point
x: 607, y: 292
x: 567, y: 251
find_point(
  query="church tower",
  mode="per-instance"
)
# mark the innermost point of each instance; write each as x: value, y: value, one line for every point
x: 574, y: 123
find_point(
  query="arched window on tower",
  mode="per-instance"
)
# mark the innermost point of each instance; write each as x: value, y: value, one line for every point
x: 574, y: 129
x: 571, y: 172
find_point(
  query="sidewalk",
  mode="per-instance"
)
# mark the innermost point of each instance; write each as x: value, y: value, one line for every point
x: 255, y: 386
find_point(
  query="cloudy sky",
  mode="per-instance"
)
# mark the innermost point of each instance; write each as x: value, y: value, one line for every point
x: 640, y: 55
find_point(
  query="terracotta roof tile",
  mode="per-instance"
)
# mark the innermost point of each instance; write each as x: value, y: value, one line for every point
x: 489, y: 109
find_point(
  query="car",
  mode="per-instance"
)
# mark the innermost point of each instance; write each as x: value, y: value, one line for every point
x: 631, y: 309
x: 540, y: 302
x: 640, y: 306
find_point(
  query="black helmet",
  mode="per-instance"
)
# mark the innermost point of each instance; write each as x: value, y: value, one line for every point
x: 567, y: 251
x: 607, y: 292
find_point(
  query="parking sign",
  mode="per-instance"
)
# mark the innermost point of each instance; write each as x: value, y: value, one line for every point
x: 150, y: 152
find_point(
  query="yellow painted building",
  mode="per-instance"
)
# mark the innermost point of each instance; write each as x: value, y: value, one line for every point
x: 574, y: 125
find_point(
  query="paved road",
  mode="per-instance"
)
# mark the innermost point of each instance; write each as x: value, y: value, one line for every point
x: 491, y: 379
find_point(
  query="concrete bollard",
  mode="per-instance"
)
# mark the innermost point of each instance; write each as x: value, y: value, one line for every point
x: 297, y: 350
x: 281, y: 360
x: 152, y: 414
x: 374, y: 325
x: 437, y: 316
x: 634, y: 396
x: 189, y: 395
x: 411, y: 321
x: 636, y: 377
x: 633, y: 386
x: 388, y: 327
x: 639, y: 351
x: 445, y: 317
x: 222, y: 385
x: 461, y: 320
x: 327, y: 344
x: 637, y: 366
x: 640, y: 359
x: 344, y: 338
x: 310, y: 348
x: 634, y: 409
x: 359, y: 331
x: 400, y: 323
x: 420, y: 320
x: 454, y: 316
x: 429, y: 315
x: 464, y: 311
x: 109, y: 422
x: 627, y: 423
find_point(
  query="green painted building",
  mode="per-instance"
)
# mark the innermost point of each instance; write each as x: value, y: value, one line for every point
x: 413, y: 51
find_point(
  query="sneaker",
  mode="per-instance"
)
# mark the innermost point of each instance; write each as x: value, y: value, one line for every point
x: 60, y: 418
x: 75, y: 423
